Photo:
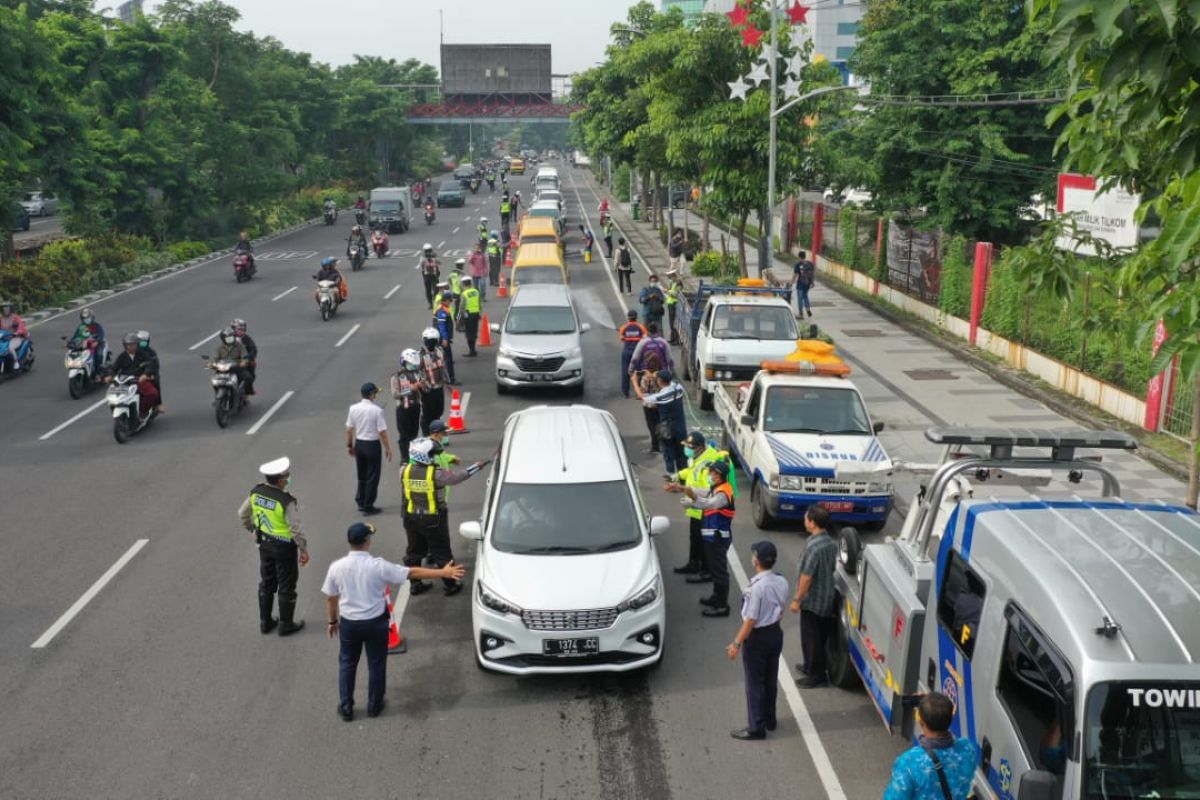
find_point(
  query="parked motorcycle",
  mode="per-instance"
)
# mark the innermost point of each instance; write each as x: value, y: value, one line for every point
x: 360, y: 216
x: 357, y: 257
x: 124, y: 403
x: 430, y: 215
x: 328, y: 299
x: 379, y: 243
x: 244, y: 267
x: 330, y: 215
x: 229, y: 393
x: 24, y: 354
x: 82, y: 371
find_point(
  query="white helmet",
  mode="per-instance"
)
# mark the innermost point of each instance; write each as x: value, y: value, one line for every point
x: 427, y: 246
x: 431, y: 333
x: 483, y: 219
x: 410, y: 359
x: 466, y: 279
x: 419, y: 450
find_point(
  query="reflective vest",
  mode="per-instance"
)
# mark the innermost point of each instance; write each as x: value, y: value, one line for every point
x: 696, y: 475
x: 471, y: 300
x: 483, y: 231
x: 420, y: 494
x: 632, y: 333
x: 505, y: 207
x: 455, y: 281
x: 268, y: 509
x: 493, y: 250
x: 718, y: 522
x: 673, y: 293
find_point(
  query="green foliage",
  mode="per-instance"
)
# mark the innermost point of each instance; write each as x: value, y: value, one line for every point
x: 848, y: 236
x: 71, y: 267
x: 711, y: 264
x: 957, y: 277
x: 621, y: 182
x: 187, y: 250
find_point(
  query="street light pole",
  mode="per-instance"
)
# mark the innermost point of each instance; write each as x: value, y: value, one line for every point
x: 766, y: 240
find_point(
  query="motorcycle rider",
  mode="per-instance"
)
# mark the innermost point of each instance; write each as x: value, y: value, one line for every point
x: 331, y: 207
x: 357, y: 237
x: 330, y: 272
x: 11, y: 321
x: 433, y: 367
x: 139, y: 362
x: 90, y: 335
x: 243, y: 246
x: 430, y: 210
x: 431, y: 270
x: 360, y: 209
x: 152, y: 360
x: 229, y: 348
x: 409, y: 384
x: 239, y: 327
x: 379, y: 239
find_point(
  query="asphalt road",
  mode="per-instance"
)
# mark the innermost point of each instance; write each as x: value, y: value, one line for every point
x: 161, y: 685
x: 38, y: 227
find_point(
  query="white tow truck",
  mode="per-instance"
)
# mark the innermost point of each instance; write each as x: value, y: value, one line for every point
x: 801, y: 432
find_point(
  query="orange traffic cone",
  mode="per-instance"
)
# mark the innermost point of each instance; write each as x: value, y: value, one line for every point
x: 503, y: 290
x: 457, y: 423
x: 396, y: 643
x: 508, y: 256
x: 485, y: 333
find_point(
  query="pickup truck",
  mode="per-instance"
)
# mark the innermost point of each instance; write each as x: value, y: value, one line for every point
x: 727, y: 331
x: 802, y: 434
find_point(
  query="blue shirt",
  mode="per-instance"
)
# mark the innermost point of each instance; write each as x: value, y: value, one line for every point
x: 444, y: 322
x: 764, y: 598
x: 913, y: 776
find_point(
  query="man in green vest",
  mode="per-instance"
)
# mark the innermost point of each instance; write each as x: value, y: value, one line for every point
x: 271, y: 514
x: 674, y: 293
x: 700, y: 455
x: 469, y: 314
x: 426, y: 517
x: 505, y: 209
x: 495, y: 260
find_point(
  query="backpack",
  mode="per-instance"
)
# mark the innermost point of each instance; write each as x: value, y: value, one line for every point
x: 626, y: 261
x: 656, y: 344
x: 654, y: 302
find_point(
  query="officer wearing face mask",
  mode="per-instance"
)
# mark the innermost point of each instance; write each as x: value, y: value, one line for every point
x: 270, y: 513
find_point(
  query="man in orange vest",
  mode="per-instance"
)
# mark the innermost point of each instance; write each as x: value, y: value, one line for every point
x: 716, y: 529
x: 631, y: 333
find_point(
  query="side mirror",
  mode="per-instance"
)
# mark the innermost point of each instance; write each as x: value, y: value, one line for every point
x: 877, y: 427
x: 471, y: 530
x: 659, y: 525
x: 495, y: 328
x: 585, y: 327
x: 748, y: 420
x: 1037, y: 784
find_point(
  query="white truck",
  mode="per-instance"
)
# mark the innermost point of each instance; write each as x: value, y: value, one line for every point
x: 802, y: 434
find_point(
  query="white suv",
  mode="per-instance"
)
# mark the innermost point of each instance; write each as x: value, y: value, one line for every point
x: 567, y: 576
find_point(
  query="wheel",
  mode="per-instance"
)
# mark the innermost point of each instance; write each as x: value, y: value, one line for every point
x: 325, y: 313
x: 224, y: 408
x: 762, y: 515
x: 121, y: 430
x: 75, y: 386
x: 849, y: 548
x: 501, y: 388
x: 703, y: 398
x: 837, y: 654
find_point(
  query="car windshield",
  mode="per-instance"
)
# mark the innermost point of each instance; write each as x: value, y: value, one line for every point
x: 539, y: 238
x: 526, y: 275
x: 450, y: 186
x: 1142, y: 740
x: 31, y: 195
x: 540, y: 319
x: 385, y: 205
x: 754, y: 322
x: 546, y: 211
x: 565, y: 519
x: 813, y: 409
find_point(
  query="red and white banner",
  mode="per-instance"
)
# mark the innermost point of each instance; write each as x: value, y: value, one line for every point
x: 1108, y: 216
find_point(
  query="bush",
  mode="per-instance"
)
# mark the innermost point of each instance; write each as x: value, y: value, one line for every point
x: 848, y: 234
x: 707, y: 264
x: 187, y: 250
x: 957, y: 278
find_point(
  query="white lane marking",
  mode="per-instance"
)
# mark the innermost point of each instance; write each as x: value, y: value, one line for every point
x: 466, y: 401
x: 628, y: 241
x: 808, y: 730
x: 401, y: 604
x: 284, y: 294
x: 622, y: 302
x: 72, y: 420
x: 454, y: 231
x: 271, y: 411
x: 349, y: 333
x: 88, y: 596
x: 394, y: 289
x: 206, y: 339
x: 441, y: 244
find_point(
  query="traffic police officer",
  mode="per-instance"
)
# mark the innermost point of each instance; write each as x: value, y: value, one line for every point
x: 443, y: 320
x: 495, y: 260
x: 700, y: 454
x: 408, y: 385
x: 456, y: 277
x: 470, y: 314
x: 631, y: 333
x: 716, y: 529
x: 433, y: 366
x: 505, y: 209
x: 760, y: 640
x: 674, y: 293
x: 426, y: 517
x: 271, y: 514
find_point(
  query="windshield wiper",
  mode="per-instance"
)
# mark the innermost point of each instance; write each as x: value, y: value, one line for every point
x: 796, y: 430
x: 555, y: 548
x: 852, y: 430
x: 615, y: 546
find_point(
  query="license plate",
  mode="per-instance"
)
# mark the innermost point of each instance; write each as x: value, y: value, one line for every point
x: 837, y: 505
x: 567, y: 648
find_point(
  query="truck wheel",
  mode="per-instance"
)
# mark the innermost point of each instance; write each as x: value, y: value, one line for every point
x: 758, y: 504
x: 837, y: 654
x: 849, y: 548
x: 703, y: 398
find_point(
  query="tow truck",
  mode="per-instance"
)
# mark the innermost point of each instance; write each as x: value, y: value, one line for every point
x: 1066, y: 630
x: 801, y: 432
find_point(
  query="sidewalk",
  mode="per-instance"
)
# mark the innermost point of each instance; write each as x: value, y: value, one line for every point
x: 910, y: 383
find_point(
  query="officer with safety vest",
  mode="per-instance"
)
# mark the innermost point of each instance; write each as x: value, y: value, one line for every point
x: 631, y: 333
x: 271, y: 514
x: 469, y: 314
x: 674, y: 293
x: 505, y: 209
x: 426, y: 517
x: 716, y: 529
x: 495, y: 258
x: 700, y: 455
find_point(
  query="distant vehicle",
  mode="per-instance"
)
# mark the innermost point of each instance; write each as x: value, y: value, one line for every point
x: 451, y: 193
x: 40, y: 204
x: 464, y: 173
x: 578, y: 159
x: 539, y: 340
x: 20, y: 218
x: 388, y: 209
x: 848, y: 197
x: 678, y: 194
x: 517, y: 167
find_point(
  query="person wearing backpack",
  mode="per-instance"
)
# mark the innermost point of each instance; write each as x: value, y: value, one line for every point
x: 652, y: 344
x: 624, y: 267
x: 803, y: 277
x: 653, y: 302
x: 939, y: 767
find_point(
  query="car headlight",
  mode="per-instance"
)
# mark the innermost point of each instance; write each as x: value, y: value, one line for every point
x: 793, y: 482
x: 879, y: 487
x: 641, y: 599
x: 495, y: 602
x: 576, y: 353
x: 505, y: 352
x: 773, y: 480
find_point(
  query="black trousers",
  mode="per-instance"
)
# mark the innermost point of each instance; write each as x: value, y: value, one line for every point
x: 672, y: 335
x: 651, y: 415
x: 448, y: 353
x: 368, y: 457
x: 696, y: 552
x: 430, y: 287
x: 278, y: 569
x: 433, y: 405
x: 428, y: 541
x: 814, y: 633
x: 760, y: 663
x: 624, y: 280
x: 718, y: 564
x: 608, y: 244
x: 471, y: 328
x: 408, y: 427
x: 353, y: 636
x: 494, y: 264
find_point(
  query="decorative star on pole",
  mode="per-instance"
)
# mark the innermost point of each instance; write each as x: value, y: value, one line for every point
x: 769, y: 54
x: 738, y: 89
x: 798, y: 14
x: 739, y: 16
x: 795, y: 64
x: 751, y: 36
x: 798, y: 37
x: 759, y: 74
x: 791, y: 87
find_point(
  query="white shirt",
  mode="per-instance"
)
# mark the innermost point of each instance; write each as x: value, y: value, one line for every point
x: 358, y: 580
x: 367, y: 420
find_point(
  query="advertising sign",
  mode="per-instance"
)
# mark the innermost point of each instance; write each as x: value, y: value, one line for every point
x: 1108, y: 216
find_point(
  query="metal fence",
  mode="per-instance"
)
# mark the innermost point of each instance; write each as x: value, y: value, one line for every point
x: 1176, y: 415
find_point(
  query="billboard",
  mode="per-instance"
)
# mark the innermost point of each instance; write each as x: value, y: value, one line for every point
x: 483, y: 69
x: 1108, y: 216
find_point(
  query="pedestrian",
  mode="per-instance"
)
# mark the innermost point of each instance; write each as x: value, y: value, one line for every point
x: 357, y: 614
x: 699, y: 454
x: 516, y: 206
x: 271, y: 513
x: 479, y: 270
x: 675, y: 249
x: 803, y: 278
x: 426, y: 517
x: 505, y: 210
x: 939, y: 766
x: 470, y: 313
x: 815, y: 597
x: 652, y: 343
x: 624, y: 267
x: 589, y: 243
x: 366, y: 442
x: 431, y: 270
x: 674, y: 295
x: 672, y: 425
x: 647, y: 378
x: 408, y: 386
x: 433, y: 392
x: 716, y: 529
x: 653, y: 301
x: 495, y: 261
x: 760, y: 640
x: 607, y: 228
x: 631, y: 333
x: 443, y: 320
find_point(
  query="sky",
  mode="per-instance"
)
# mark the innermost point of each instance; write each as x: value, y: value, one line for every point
x: 335, y: 30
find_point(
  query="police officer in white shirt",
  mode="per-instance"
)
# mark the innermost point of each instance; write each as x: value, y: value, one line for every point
x: 366, y: 442
x: 357, y: 612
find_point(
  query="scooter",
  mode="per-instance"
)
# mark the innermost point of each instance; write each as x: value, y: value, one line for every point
x: 24, y: 355
x: 229, y: 393
x: 329, y: 297
x: 82, y: 370
x: 379, y: 243
x: 357, y: 257
x: 430, y: 215
x: 360, y: 216
x: 244, y: 267
x: 330, y: 215
x: 474, y: 185
x: 124, y: 403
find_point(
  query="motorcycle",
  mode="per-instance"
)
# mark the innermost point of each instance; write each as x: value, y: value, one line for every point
x: 360, y: 216
x: 329, y: 297
x: 125, y: 405
x: 330, y: 215
x: 474, y: 185
x: 82, y: 370
x: 430, y: 215
x: 228, y: 390
x: 379, y: 244
x: 417, y: 196
x: 24, y: 355
x: 491, y: 183
x: 357, y: 257
x: 244, y: 267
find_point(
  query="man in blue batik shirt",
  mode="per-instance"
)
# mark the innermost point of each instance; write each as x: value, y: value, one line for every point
x: 940, y: 767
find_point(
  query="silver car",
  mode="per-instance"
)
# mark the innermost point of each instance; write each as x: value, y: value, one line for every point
x: 39, y: 204
x: 539, y: 340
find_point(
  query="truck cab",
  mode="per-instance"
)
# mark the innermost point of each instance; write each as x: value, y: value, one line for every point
x: 1066, y: 630
x: 388, y: 209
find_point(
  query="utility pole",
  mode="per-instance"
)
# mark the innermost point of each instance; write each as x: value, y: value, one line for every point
x: 766, y: 238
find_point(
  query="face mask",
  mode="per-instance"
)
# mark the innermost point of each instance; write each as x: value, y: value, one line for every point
x: 689, y: 452
x: 287, y: 484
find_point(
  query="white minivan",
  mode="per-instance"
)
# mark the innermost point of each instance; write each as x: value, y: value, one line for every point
x: 566, y: 576
x: 539, y: 340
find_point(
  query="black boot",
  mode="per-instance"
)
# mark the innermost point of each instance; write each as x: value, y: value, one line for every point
x: 287, y: 626
x: 266, y: 623
x: 690, y: 568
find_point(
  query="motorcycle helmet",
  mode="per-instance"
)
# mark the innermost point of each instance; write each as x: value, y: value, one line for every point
x: 6, y: 307
x: 458, y: 265
x: 328, y: 261
x: 483, y: 219
x: 419, y: 451
x: 239, y: 325
x: 129, y: 338
x: 86, y: 316
x: 631, y: 314
x: 495, y: 234
x: 431, y: 337
x: 143, y: 339
x: 357, y: 229
x: 410, y: 359
x: 229, y: 335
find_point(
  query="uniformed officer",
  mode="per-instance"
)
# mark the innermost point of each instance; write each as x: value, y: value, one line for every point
x: 760, y: 639
x: 495, y: 260
x: 433, y: 366
x: 631, y: 333
x: 505, y: 209
x: 674, y: 294
x: 456, y: 277
x: 443, y: 320
x: 470, y: 314
x: 426, y: 517
x: 716, y: 529
x: 699, y: 454
x: 408, y: 385
x: 272, y: 515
